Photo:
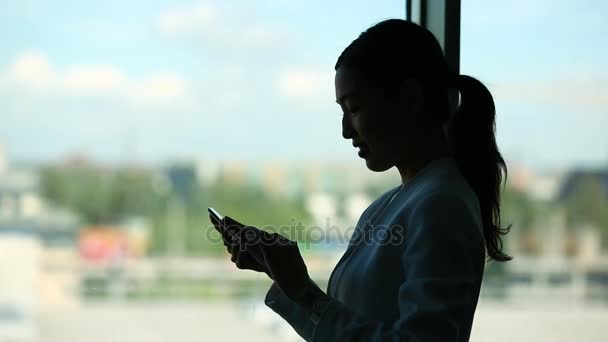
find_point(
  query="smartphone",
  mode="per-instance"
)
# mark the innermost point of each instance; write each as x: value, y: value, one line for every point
x: 215, y: 214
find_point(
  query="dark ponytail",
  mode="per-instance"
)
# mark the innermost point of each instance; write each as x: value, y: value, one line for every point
x: 472, y: 141
x: 395, y: 49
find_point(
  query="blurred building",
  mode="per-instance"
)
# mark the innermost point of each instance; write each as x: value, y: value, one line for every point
x: 541, y: 186
x: 182, y: 178
x: 20, y: 285
x: 520, y: 176
x: 322, y: 206
x: 274, y: 178
x: 43, y: 234
x: 234, y: 172
x: 207, y: 170
x: 545, y: 187
x: 575, y: 179
x: 355, y: 204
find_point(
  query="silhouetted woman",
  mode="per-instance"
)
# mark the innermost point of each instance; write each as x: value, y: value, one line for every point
x: 414, y: 264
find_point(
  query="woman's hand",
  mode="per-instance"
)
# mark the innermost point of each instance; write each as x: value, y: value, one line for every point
x: 241, y: 254
x: 272, y: 253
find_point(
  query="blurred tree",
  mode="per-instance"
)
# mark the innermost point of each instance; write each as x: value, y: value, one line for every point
x: 516, y: 209
x: 101, y: 196
x: 250, y: 205
x: 587, y: 204
x: 108, y: 196
x: 247, y: 204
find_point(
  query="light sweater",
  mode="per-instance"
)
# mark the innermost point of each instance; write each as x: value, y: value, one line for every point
x: 412, y: 270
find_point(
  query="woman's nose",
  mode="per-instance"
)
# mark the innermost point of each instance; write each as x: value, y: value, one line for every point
x: 347, y: 128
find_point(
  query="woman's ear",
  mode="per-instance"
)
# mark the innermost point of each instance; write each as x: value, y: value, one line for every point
x: 411, y: 95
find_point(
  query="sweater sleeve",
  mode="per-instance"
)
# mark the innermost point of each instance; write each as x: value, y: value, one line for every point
x: 442, y: 258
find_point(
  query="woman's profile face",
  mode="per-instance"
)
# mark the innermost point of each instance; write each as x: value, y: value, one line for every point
x: 382, y: 129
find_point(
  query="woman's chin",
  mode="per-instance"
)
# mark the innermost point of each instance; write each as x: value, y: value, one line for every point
x: 376, y: 166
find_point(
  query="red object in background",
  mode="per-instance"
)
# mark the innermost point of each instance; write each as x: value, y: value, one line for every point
x: 103, y: 243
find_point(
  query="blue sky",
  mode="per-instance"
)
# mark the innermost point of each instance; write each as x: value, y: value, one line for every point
x: 242, y: 79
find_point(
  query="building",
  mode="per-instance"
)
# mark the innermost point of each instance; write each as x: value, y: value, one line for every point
x: 43, y: 237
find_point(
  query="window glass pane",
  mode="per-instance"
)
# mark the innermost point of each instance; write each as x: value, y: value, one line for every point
x: 122, y: 121
x: 544, y: 62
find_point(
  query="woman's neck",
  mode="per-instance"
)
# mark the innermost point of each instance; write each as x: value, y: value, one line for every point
x: 436, y: 147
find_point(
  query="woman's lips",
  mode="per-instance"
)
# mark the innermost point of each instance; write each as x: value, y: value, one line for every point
x: 363, y: 151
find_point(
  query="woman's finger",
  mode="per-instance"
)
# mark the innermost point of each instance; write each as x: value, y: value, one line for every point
x: 217, y: 224
x: 234, y: 253
x: 227, y: 236
x: 232, y: 228
x: 243, y: 259
x: 214, y: 220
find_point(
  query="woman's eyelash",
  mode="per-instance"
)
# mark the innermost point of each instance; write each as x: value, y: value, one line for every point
x: 353, y: 110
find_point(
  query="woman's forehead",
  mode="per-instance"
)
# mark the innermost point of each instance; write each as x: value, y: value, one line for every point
x: 352, y: 82
x: 347, y: 82
x: 348, y: 77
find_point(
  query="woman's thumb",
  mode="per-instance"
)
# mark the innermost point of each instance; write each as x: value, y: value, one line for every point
x: 230, y: 222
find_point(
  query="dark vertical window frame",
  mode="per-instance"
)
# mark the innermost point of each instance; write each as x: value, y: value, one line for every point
x: 442, y: 17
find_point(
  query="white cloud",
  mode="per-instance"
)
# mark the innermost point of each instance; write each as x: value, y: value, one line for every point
x: 32, y: 71
x: 221, y: 26
x: 162, y: 88
x: 306, y: 83
x: 94, y: 79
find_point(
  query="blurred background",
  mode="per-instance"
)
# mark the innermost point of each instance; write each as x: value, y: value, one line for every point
x: 122, y: 121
